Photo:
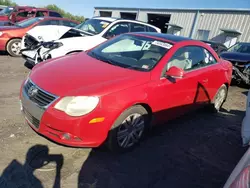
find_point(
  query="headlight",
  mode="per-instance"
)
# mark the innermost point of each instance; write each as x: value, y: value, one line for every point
x: 77, y: 106
x: 52, y: 45
x: 1, y: 33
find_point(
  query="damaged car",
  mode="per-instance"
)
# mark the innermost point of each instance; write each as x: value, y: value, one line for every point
x: 39, y: 45
x: 239, y: 178
x: 239, y: 56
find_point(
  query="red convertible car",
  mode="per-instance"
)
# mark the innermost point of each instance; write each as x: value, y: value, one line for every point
x: 116, y: 91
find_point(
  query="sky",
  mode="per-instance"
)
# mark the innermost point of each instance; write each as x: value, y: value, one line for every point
x: 86, y: 7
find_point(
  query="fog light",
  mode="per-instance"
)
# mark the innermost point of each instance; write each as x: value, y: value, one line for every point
x: 66, y: 136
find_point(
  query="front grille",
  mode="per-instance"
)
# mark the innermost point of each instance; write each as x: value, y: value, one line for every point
x: 29, y: 41
x: 41, y: 97
x: 35, y: 122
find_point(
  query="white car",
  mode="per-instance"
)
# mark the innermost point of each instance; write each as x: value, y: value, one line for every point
x: 42, y: 42
x: 240, y: 177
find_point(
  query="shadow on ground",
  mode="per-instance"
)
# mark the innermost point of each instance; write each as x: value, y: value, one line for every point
x: 197, y: 150
x: 22, y: 175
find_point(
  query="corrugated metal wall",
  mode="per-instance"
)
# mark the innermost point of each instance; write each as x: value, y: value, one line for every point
x: 215, y: 21
x: 207, y: 20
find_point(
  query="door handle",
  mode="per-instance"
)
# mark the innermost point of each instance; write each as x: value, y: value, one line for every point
x: 205, y: 81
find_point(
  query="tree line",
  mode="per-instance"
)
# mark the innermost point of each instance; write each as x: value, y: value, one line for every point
x: 50, y: 7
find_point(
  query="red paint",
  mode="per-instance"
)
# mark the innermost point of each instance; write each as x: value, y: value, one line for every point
x: 119, y: 89
x: 13, y: 16
x: 11, y: 32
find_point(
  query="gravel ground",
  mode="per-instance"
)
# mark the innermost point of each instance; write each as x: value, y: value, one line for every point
x: 197, y: 150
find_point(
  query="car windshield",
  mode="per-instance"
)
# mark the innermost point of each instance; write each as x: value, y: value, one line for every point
x: 131, y: 51
x: 241, y: 48
x: 93, y: 26
x: 29, y: 22
x: 6, y: 11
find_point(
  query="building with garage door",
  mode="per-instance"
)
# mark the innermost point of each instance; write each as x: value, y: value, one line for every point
x: 226, y: 26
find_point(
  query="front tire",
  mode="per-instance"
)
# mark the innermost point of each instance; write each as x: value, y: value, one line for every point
x: 128, y: 129
x: 13, y: 47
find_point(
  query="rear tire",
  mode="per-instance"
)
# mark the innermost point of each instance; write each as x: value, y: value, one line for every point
x: 13, y: 47
x: 219, y: 99
x: 128, y: 129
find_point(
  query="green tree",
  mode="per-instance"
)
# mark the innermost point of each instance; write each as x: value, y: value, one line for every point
x: 7, y: 3
x: 64, y: 13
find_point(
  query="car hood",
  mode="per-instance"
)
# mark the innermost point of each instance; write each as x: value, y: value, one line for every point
x: 235, y: 56
x: 79, y: 74
x: 40, y: 33
x: 80, y: 43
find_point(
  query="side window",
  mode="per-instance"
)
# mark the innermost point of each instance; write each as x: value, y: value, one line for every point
x: 117, y: 29
x: 190, y: 58
x: 49, y: 22
x: 23, y: 14
x: 137, y: 27
x: 39, y: 14
x: 68, y: 23
x: 151, y: 29
x: 54, y: 14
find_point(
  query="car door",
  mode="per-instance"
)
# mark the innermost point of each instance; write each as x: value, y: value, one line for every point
x: 176, y: 96
x: 214, y: 72
x: 117, y: 29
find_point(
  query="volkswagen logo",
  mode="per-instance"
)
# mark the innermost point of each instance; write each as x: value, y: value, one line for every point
x: 32, y: 91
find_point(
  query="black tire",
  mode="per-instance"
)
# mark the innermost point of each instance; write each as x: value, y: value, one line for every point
x: 112, y: 140
x: 13, y: 49
x: 217, y: 107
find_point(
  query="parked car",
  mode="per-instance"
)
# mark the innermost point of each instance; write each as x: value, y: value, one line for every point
x: 19, y: 13
x: 218, y: 47
x: 84, y: 99
x: 11, y: 36
x: 69, y: 40
x: 239, y: 178
x: 239, y: 56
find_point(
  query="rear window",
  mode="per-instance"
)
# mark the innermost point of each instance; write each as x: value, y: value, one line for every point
x: 55, y: 14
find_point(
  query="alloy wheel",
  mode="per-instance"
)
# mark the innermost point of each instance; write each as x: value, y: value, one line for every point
x: 131, y: 130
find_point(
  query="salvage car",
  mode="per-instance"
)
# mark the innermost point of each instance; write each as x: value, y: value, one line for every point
x: 39, y: 45
x: 84, y: 99
x: 11, y: 36
x: 239, y: 178
x: 239, y: 56
x: 218, y: 47
x: 20, y: 13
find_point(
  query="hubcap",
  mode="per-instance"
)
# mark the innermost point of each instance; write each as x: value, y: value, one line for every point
x: 130, y: 130
x: 16, y: 47
x: 220, y: 99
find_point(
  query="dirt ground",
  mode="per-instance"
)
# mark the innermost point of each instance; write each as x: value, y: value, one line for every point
x: 197, y: 150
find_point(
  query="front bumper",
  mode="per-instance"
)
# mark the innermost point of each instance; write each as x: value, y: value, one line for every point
x: 63, y: 129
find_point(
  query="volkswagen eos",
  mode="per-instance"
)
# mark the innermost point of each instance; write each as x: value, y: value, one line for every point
x: 116, y: 91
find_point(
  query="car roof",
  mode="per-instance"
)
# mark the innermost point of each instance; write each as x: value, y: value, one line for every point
x: 110, y: 19
x: 169, y: 37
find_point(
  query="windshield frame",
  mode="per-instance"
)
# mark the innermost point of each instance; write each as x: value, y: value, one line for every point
x: 240, y: 44
x: 36, y: 20
x: 91, y: 22
x: 116, y: 39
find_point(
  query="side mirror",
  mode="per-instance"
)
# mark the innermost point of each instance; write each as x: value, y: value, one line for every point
x: 175, y: 72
